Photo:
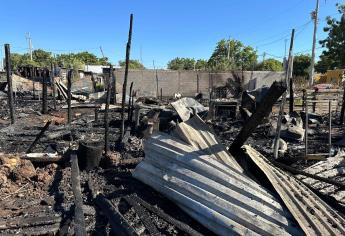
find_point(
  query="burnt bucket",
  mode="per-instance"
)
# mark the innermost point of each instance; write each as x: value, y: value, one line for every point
x: 89, y: 154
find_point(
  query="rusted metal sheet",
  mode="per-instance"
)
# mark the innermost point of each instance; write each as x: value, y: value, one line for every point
x: 218, y: 196
x: 313, y: 215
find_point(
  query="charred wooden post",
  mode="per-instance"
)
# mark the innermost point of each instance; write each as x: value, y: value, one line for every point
x: 96, y: 114
x: 197, y: 83
x: 130, y: 103
x: 161, y: 94
x: 132, y: 107
x: 79, y: 220
x: 9, y: 82
x: 157, y: 93
x: 44, y: 92
x: 330, y: 127
x: 306, y: 129
x: 114, y: 86
x: 46, y: 126
x: 291, y: 98
x: 303, y: 98
x: 69, y: 95
x: 341, y: 120
x: 106, y: 118
x: 52, y: 80
x: 124, y: 87
x: 263, y: 110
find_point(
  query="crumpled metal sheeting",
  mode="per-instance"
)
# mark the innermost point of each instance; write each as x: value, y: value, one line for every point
x: 221, y: 198
x: 196, y: 133
x: 313, y: 215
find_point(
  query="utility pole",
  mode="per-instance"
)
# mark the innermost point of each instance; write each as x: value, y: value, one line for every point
x: 263, y: 57
x: 314, y: 16
x: 229, y: 49
x: 28, y: 38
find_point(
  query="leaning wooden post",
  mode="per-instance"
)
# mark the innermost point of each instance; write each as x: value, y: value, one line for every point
x: 44, y: 92
x: 106, y: 118
x: 288, y: 81
x: 69, y: 95
x: 128, y: 49
x: 306, y: 129
x: 130, y: 102
x: 9, y: 82
x: 263, y: 110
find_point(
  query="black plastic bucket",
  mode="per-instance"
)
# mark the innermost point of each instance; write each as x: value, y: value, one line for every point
x: 90, y: 154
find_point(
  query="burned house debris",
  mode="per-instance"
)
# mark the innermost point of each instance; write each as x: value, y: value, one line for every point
x: 108, y: 154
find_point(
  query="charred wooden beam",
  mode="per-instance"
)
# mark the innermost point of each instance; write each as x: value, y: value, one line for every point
x: 179, y: 224
x: 262, y: 111
x: 124, y: 87
x: 46, y: 126
x: 80, y: 228
x: 9, y: 82
x: 52, y: 80
x: 115, y: 218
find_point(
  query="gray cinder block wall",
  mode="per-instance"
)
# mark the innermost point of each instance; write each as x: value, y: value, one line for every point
x: 185, y: 82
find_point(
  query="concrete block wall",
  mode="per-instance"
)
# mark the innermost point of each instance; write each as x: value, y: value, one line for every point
x: 185, y: 82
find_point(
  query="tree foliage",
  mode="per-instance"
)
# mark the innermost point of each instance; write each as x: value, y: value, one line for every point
x: 232, y: 55
x: 270, y: 65
x: 181, y: 63
x: 133, y: 64
x: 334, y: 55
x: 301, y: 65
x: 41, y: 58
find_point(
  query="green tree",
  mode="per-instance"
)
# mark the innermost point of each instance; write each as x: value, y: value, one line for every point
x: 334, y: 55
x: 41, y: 57
x: 201, y: 64
x: 232, y: 55
x: 181, y: 64
x: 133, y: 64
x: 301, y: 65
x: 270, y: 65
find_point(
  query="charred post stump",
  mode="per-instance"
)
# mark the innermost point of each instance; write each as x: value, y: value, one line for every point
x: 44, y: 92
x: 9, y: 82
x: 79, y: 227
x: 124, y: 87
x: 262, y: 111
x: 114, y: 85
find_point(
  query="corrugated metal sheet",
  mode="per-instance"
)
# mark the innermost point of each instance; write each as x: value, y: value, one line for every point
x: 332, y: 168
x: 313, y: 215
x: 217, y: 195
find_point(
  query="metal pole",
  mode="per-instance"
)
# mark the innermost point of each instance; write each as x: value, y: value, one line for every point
x: 9, y: 82
x: 315, y: 16
x: 330, y: 127
x: 128, y: 49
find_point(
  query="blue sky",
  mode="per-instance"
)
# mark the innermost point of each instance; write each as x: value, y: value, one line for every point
x: 162, y: 29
